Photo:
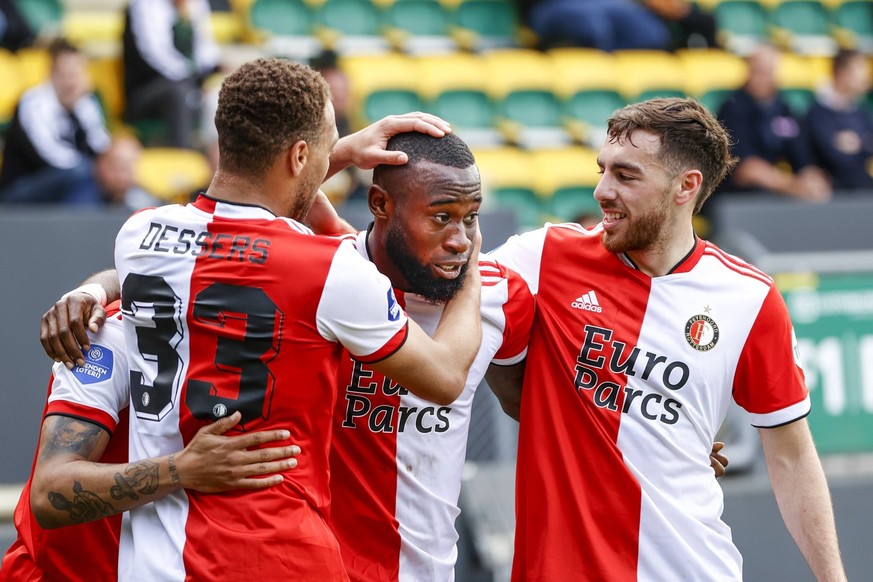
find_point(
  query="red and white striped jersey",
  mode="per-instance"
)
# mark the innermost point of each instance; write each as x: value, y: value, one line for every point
x: 97, y: 393
x: 228, y: 307
x: 628, y: 378
x: 396, y: 460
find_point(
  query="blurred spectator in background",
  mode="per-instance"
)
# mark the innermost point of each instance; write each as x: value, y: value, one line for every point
x: 168, y: 52
x: 840, y: 128
x: 773, y: 146
x: 607, y: 25
x: 115, y: 171
x: 57, y: 131
x: 689, y: 25
x: 15, y: 32
x: 350, y: 183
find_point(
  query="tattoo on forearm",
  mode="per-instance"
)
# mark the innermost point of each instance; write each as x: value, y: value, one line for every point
x: 70, y: 435
x: 83, y: 507
x: 140, y: 477
x: 174, y: 473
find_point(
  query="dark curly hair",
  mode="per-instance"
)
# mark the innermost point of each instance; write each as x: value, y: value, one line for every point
x: 691, y: 137
x: 449, y: 150
x: 263, y: 108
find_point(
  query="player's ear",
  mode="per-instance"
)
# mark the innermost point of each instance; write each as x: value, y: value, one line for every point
x: 379, y: 201
x: 689, y: 187
x: 296, y: 157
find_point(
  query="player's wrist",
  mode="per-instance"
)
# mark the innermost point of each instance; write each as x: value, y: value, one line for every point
x: 95, y: 290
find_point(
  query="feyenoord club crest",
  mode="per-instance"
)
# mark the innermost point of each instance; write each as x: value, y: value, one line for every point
x: 701, y: 333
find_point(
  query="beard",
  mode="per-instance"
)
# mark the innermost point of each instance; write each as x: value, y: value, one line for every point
x: 641, y: 233
x: 418, y: 276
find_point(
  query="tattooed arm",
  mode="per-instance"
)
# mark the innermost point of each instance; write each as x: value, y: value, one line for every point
x: 70, y: 487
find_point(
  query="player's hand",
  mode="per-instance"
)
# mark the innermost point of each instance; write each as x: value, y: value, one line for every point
x: 63, y: 328
x: 213, y: 462
x: 717, y: 460
x: 366, y: 148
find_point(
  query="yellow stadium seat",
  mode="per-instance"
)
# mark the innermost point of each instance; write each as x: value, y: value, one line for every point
x: 645, y: 74
x: 710, y: 75
x: 508, y: 182
x: 10, y: 86
x: 381, y: 84
x: 172, y: 174
x: 565, y: 178
x: 578, y: 69
x: 106, y: 73
x: 86, y: 28
x: 35, y: 66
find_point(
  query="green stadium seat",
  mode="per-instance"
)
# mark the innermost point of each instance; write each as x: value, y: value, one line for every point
x: 799, y: 99
x: 418, y: 26
x: 281, y: 17
x: 486, y: 24
x: 350, y: 26
x: 854, y: 19
x: 805, y: 24
x: 569, y: 202
x: 381, y: 103
x: 593, y: 106
x: 464, y: 108
x: 44, y: 16
x: 741, y: 24
x: 527, y: 206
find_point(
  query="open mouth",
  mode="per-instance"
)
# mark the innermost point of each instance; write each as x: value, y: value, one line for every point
x: 448, y: 270
x: 611, y: 217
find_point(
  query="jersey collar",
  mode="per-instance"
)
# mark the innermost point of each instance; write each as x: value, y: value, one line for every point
x: 226, y: 209
x: 684, y: 265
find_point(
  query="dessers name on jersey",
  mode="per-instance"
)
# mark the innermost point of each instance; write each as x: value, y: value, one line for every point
x: 162, y: 238
x: 598, y: 346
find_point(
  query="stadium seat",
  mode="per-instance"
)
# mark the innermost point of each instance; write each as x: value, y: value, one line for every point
x: 484, y: 24
x: 508, y: 181
x: 799, y: 76
x: 10, y: 87
x: 521, y: 83
x: 742, y: 24
x: 418, y: 26
x: 380, y: 85
x: 646, y: 74
x: 803, y: 26
x: 43, y: 16
x: 710, y: 75
x: 106, y: 73
x: 35, y: 65
x: 96, y: 31
x: 586, y: 82
x: 565, y: 178
x: 854, y: 22
x: 453, y: 86
x: 172, y: 174
x: 284, y: 26
x: 350, y: 26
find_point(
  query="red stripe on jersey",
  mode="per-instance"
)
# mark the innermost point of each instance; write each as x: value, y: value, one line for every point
x: 519, y: 313
x: 267, y: 317
x: 389, y: 348
x: 768, y: 380
x: 570, y: 417
x: 737, y: 265
x: 692, y: 259
x: 88, y: 413
x: 363, y: 481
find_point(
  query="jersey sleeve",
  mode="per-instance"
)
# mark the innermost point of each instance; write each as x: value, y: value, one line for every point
x: 358, y: 308
x: 97, y: 391
x: 516, y: 312
x: 523, y: 253
x: 769, y: 380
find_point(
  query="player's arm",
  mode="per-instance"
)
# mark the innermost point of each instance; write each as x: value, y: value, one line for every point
x: 435, y: 367
x: 69, y: 486
x: 64, y: 327
x: 506, y: 382
x: 802, y: 495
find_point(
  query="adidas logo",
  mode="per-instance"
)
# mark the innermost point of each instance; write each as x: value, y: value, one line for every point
x: 588, y: 302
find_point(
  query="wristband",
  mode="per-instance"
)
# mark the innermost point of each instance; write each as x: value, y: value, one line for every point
x: 95, y: 290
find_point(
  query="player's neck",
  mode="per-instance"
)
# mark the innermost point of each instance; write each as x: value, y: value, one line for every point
x: 376, y: 250
x: 244, y: 190
x: 665, y: 256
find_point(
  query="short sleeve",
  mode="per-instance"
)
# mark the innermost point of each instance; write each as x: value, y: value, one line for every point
x: 358, y: 308
x: 769, y: 380
x: 99, y: 390
x: 517, y: 316
x: 523, y: 253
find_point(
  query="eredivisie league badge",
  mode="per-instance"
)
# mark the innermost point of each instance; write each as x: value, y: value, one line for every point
x: 701, y: 333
